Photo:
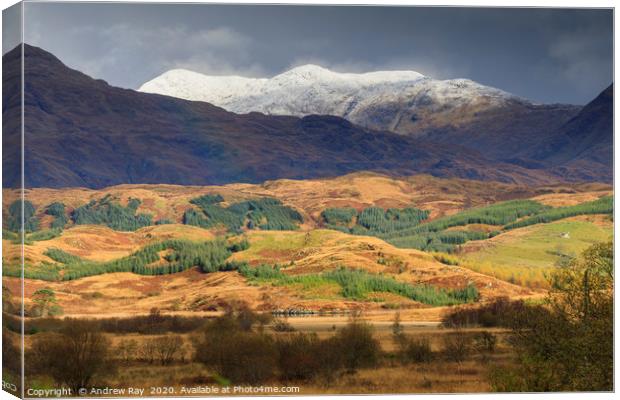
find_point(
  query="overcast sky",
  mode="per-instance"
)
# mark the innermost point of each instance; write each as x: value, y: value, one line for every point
x: 547, y: 55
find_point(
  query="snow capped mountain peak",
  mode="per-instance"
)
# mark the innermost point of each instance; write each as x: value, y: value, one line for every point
x: 380, y: 99
x: 308, y: 70
x: 187, y: 74
x: 315, y: 74
x: 192, y: 85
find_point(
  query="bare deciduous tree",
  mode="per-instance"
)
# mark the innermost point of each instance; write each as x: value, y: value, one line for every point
x: 167, y: 348
x: 74, y: 356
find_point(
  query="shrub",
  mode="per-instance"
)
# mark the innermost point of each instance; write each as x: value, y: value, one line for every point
x: 246, y: 319
x: 207, y: 199
x: 241, y: 245
x: 261, y: 272
x: 331, y: 358
x: 456, y: 346
x: 498, y: 313
x: 416, y: 350
x: 10, y: 352
x: 44, y: 235
x: 74, y: 357
x: 282, y: 325
x: 533, y: 375
x: 154, y: 323
x: 44, y: 299
x: 446, y: 259
x: 8, y: 301
x: 12, y: 236
x: 127, y: 349
x: 167, y: 348
x: 252, y: 357
x: 570, y: 346
x: 397, y: 328
x: 239, y: 356
x: 485, y: 342
x: 297, y: 358
x: 56, y: 311
x: 358, y: 346
x: 148, y: 351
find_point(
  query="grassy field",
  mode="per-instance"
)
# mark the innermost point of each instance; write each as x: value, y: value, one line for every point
x: 439, y: 375
x: 525, y: 255
x: 266, y: 244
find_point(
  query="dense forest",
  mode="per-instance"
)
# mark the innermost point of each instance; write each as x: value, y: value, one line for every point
x: 13, y: 220
x: 264, y: 213
x: 105, y: 211
x: 604, y: 205
x: 373, y: 221
x: 407, y: 227
x: 57, y: 210
x: 110, y: 213
x: 166, y: 257
x: 260, y: 213
x: 357, y: 284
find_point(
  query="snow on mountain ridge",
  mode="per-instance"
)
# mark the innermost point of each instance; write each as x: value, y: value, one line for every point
x: 313, y: 73
x: 192, y: 85
x: 379, y: 99
x: 188, y: 84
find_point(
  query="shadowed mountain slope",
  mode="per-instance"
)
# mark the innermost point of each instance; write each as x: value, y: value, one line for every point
x: 572, y: 141
x: 81, y: 131
x: 584, y: 148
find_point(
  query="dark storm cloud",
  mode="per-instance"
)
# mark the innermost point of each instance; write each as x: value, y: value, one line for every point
x: 548, y: 55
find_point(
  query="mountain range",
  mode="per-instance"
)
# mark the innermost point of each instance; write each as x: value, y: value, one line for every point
x: 80, y: 131
x: 502, y: 126
x: 404, y: 102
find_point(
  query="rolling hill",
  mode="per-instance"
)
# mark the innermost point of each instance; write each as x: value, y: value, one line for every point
x: 84, y: 261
